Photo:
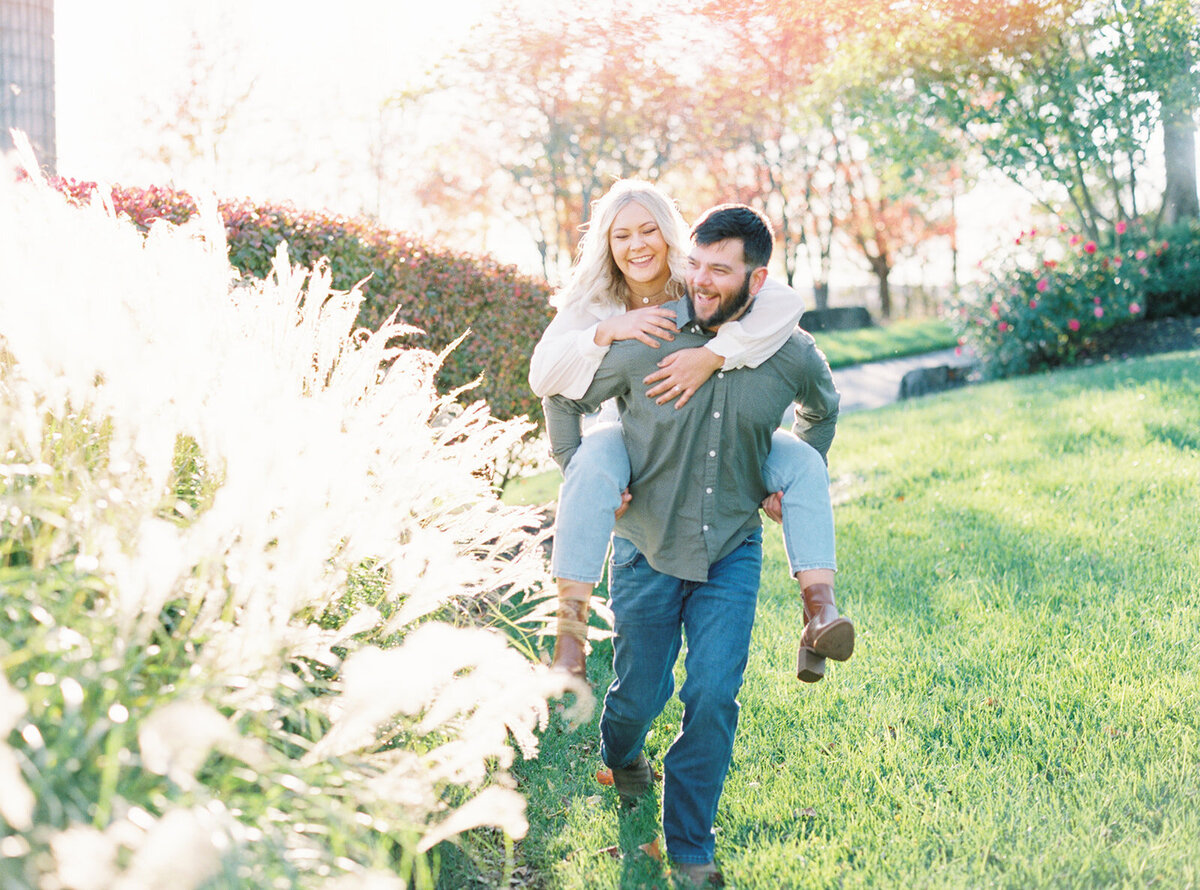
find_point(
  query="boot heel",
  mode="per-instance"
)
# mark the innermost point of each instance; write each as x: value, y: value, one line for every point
x: 810, y: 667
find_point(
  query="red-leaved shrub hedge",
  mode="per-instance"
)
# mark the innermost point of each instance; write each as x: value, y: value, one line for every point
x: 444, y: 292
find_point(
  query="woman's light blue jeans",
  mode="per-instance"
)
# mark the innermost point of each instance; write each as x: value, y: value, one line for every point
x: 649, y: 611
x: 599, y: 472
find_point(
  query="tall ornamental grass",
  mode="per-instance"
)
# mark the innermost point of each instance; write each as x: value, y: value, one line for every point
x: 252, y: 571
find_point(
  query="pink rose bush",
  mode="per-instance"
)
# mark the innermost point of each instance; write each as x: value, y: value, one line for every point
x: 1053, y: 295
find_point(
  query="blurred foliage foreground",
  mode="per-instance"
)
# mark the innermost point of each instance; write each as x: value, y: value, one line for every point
x: 491, y: 311
x: 253, y: 574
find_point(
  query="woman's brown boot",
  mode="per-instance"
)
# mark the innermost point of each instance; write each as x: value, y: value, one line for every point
x: 570, y: 643
x: 826, y: 634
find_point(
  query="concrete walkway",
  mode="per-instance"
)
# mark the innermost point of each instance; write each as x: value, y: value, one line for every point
x: 876, y: 384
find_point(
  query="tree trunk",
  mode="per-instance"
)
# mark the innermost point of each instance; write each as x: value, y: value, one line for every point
x: 1180, y: 200
x: 821, y: 294
x: 883, y: 269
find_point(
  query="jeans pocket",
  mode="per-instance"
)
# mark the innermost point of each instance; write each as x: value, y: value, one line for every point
x: 624, y: 553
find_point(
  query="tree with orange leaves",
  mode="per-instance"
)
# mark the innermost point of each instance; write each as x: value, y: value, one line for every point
x: 762, y: 102
x: 819, y: 137
x: 572, y: 98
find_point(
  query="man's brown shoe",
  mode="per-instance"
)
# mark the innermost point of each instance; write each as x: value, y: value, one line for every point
x: 700, y: 874
x: 634, y: 780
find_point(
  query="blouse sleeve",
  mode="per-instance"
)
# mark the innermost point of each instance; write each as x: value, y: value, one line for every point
x: 773, y: 316
x: 566, y: 357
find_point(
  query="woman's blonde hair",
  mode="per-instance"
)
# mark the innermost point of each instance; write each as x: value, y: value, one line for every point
x: 595, y: 278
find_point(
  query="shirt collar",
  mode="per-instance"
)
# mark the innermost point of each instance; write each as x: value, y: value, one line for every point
x: 685, y: 318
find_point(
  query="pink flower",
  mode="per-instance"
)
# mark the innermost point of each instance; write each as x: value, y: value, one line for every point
x: 1090, y: 247
x: 995, y: 309
x: 1074, y: 239
x: 1098, y: 312
x: 1043, y: 285
x: 1033, y: 304
x: 1073, y: 324
x: 1121, y: 227
x: 1140, y: 255
x: 1134, y: 308
x: 1050, y: 264
x: 1096, y: 300
x: 1004, y: 326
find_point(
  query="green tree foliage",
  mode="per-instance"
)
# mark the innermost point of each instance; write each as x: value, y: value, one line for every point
x: 1069, y: 94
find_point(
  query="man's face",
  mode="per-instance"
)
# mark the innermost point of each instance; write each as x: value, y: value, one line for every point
x: 718, y: 282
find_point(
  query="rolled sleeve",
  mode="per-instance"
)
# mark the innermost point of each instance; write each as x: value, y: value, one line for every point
x: 564, y: 426
x: 817, y: 401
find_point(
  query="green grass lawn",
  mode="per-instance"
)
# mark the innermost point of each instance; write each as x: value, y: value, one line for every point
x: 893, y: 340
x: 1022, y: 561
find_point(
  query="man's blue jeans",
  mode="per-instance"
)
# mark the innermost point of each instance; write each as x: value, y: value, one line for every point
x: 650, y: 610
x: 599, y: 472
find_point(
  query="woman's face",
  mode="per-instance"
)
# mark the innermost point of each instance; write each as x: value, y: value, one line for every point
x: 639, y: 249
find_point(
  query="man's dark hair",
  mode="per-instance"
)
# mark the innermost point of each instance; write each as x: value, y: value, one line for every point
x: 738, y: 221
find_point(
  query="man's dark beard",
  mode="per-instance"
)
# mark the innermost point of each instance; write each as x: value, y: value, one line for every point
x: 726, y: 312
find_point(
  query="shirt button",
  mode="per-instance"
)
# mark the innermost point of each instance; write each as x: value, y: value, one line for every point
x: 712, y: 454
x: 720, y: 375
x: 716, y: 414
x: 708, y: 491
x: 706, y: 528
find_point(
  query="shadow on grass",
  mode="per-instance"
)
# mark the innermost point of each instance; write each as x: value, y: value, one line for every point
x: 641, y: 868
x: 569, y: 809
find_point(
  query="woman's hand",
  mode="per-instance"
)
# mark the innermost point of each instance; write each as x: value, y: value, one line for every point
x: 772, y: 505
x: 638, y: 324
x: 682, y: 373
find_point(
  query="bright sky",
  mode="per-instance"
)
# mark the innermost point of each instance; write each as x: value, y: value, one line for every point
x: 320, y: 69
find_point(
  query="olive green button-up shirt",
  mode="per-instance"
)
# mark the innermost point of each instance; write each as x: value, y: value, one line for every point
x: 697, y: 471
